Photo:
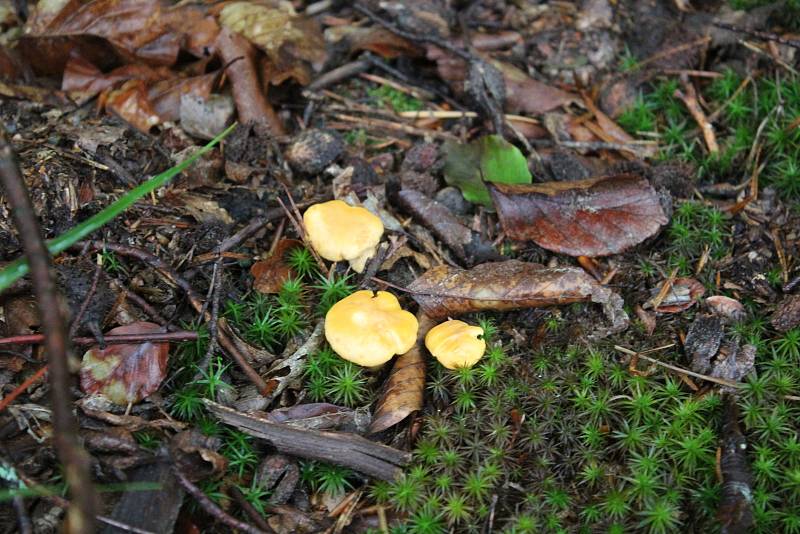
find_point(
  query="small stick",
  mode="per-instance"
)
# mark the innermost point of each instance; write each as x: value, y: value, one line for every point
x: 37, y: 339
x: 35, y: 377
x: 211, y: 507
x: 690, y: 101
x: 194, y: 299
x: 73, y: 329
x: 675, y: 368
x: 248, y: 508
x: 656, y: 302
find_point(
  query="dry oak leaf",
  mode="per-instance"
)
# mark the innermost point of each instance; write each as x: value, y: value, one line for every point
x: 595, y: 217
x: 125, y: 373
x: 403, y: 391
x: 445, y: 291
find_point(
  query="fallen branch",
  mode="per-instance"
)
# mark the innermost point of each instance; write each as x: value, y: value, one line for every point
x: 341, y: 448
x: 80, y: 517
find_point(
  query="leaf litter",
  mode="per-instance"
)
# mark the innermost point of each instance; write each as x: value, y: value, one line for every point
x: 547, y: 111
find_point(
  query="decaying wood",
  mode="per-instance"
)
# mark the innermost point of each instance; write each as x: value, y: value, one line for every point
x: 736, y: 503
x: 348, y: 450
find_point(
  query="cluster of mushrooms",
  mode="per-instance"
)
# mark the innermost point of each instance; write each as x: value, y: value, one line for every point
x: 368, y: 328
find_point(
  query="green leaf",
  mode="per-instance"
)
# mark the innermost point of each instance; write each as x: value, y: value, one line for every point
x: 19, y: 267
x: 488, y: 159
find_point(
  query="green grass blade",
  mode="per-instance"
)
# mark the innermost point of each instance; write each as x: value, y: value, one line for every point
x: 19, y: 267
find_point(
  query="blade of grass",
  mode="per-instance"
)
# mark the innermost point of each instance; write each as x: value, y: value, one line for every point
x: 18, y: 268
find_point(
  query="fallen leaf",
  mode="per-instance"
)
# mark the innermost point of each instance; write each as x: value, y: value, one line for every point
x: 373, y: 38
x: 125, y: 373
x: 403, y: 391
x: 269, y: 275
x: 130, y: 103
x: 446, y: 291
x: 594, y: 217
x: 275, y: 31
x: 103, y: 31
x: 487, y: 159
x: 683, y: 293
x: 83, y: 80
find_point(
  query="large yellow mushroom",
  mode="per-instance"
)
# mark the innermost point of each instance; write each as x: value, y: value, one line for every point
x: 368, y: 329
x: 456, y: 344
x: 339, y: 232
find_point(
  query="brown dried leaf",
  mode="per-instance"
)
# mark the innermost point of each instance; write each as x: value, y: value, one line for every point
x: 275, y: 31
x: 134, y: 29
x: 125, y: 373
x: 403, y: 390
x: 130, y: 103
x: 446, y: 291
x: 594, y: 217
x: 269, y: 275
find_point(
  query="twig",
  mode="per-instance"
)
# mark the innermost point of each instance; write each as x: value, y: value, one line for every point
x: 76, y: 323
x: 721, y: 381
x: 80, y: 518
x: 344, y: 72
x: 213, y: 331
x: 689, y: 98
x: 194, y: 299
x: 180, y: 335
x: 8, y: 399
x: 766, y: 36
x: 211, y: 507
x: 248, y: 508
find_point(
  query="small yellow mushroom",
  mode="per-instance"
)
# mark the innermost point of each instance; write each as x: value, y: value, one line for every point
x: 456, y: 344
x: 368, y: 329
x: 339, y: 232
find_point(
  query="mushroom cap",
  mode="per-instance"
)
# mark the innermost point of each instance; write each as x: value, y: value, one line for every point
x: 338, y: 231
x: 368, y: 329
x: 456, y: 344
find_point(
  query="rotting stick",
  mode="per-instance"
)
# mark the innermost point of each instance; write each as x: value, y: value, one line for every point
x: 341, y: 448
x: 80, y: 517
x: 689, y: 98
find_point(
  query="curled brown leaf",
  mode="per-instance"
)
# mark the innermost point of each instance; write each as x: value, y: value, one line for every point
x: 403, y: 391
x: 445, y: 291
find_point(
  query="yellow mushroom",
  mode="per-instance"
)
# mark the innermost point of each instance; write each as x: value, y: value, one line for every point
x: 339, y: 232
x: 456, y: 344
x: 368, y: 329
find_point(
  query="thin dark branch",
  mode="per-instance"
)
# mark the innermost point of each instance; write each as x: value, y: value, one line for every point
x: 196, y: 301
x: 211, y: 507
x: 35, y: 339
x: 75, y: 460
x: 76, y: 323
